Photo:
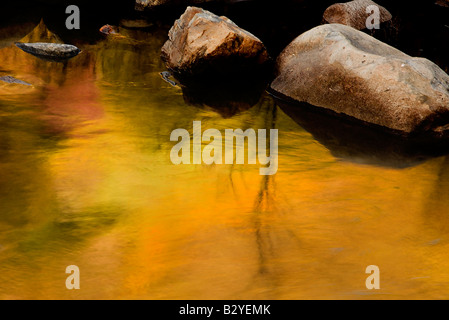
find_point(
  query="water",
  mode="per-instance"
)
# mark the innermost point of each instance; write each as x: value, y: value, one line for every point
x: 86, y: 180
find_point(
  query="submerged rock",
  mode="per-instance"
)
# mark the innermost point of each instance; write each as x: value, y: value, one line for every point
x: 10, y: 79
x: 166, y: 76
x: 50, y: 51
x: 354, y: 13
x: 349, y: 72
x: 201, y: 42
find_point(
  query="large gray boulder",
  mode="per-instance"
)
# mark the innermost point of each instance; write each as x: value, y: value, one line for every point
x: 349, y: 72
x: 354, y: 13
x: 202, y: 42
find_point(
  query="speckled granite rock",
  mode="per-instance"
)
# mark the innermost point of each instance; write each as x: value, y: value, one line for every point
x: 52, y: 51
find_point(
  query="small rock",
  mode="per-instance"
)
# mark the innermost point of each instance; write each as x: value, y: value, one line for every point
x: 50, y: 51
x: 9, y: 79
x: 354, y: 13
x: 108, y: 29
x: 166, y: 75
x: 201, y: 42
x: 349, y: 72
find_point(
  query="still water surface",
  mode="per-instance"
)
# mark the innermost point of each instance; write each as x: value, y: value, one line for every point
x: 86, y: 180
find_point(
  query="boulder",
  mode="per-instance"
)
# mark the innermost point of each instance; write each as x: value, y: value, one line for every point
x: 201, y: 42
x: 349, y: 72
x: 50, y: 51
x: 354, y: 13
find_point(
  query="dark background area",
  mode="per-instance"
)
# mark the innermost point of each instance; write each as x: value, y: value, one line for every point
x: 419, y: 28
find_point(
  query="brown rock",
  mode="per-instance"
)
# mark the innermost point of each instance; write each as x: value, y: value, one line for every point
x: 201, y: 42
x: 354, y: 13
x: 108, y: 29
x: 349, y: 72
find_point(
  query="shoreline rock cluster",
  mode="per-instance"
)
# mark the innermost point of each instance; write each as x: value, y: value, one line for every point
x: 333, y: 66
x: 336, y: 66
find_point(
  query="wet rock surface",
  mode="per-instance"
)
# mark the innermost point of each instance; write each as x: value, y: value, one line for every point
x: 349, y: 72
x: 108, y: 29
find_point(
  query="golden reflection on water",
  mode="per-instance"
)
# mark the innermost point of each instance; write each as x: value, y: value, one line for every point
x: 87, y: 180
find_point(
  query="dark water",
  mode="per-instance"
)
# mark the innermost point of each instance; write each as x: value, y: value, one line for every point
x: 86, y: 180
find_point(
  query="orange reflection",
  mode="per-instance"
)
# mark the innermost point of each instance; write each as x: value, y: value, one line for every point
x: 87, y: 180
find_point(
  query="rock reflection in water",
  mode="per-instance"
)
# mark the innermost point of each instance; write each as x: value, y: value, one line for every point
x: 228, y: 99
x: 354, y: 141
